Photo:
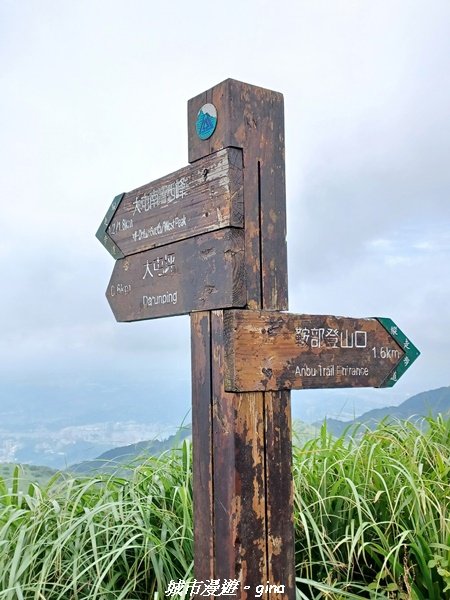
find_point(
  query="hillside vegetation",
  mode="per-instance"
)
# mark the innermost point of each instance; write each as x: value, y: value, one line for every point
x: 27, y: 474
x: 371, y: 520
x: 425, y: 404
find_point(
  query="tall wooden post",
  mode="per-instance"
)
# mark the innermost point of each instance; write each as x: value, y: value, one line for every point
x: 242, y: 441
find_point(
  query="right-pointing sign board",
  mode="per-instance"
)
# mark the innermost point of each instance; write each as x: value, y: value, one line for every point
x: 267, y: 350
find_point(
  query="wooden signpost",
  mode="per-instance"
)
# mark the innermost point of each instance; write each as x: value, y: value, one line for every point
x: 210, y: 240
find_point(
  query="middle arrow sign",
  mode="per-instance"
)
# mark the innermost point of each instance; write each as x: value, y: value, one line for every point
x: 205, y: 272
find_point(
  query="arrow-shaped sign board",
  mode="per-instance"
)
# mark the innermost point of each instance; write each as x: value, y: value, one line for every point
x: 201, y: 273
x: 202, y: 197
x: 274, y: 351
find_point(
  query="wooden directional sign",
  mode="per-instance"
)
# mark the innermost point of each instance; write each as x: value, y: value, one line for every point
x: 184, y: 247
x: 273, y: 351
x: 202, y: 197
x: 200, y: 273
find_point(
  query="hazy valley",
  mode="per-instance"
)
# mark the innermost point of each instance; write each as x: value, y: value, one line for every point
x: 68, y: 439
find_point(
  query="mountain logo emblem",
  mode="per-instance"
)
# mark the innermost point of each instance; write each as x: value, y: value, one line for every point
x: 206, y: 121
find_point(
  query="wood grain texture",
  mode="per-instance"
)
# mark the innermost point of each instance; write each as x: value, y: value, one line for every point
x: 196, y: 199
x: 267, y: 350
x: 199, y: 273
x: 202, y: 447
x: 280, y: 492
x: 239, y: 478
x: 252, y: 118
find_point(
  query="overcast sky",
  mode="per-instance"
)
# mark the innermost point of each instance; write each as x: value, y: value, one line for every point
x: 93, y: 103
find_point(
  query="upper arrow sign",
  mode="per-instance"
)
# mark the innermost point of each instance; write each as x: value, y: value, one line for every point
x: 275, y: 351
x: 199, y: 198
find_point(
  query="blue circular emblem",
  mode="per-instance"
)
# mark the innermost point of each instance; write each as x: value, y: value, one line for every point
x: 206, y: 121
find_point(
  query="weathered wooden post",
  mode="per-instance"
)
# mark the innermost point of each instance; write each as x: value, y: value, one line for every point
x: 242, y: 441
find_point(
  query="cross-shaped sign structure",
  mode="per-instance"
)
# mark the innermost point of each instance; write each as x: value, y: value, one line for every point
x: 210, y: 240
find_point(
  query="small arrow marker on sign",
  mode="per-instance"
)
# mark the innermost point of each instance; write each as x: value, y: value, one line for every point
x: 411, y: 352
x: 102, y: 233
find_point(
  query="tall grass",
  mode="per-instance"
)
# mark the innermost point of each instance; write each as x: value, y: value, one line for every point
x: 99, y: 538
x: 372, y: 511
x: 371, y: 519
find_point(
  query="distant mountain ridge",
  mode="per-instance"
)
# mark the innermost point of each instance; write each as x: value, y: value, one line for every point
x: 119, y: 459
x: 429, y: 403
x: 421, y: 405
x: 122, y: 457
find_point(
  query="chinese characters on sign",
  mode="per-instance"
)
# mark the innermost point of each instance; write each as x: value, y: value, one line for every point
x: 320, y: 337
x: 160, y: 266
x: 166, y: 194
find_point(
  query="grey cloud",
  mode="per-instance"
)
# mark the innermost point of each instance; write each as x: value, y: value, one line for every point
x: 86, y: 117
